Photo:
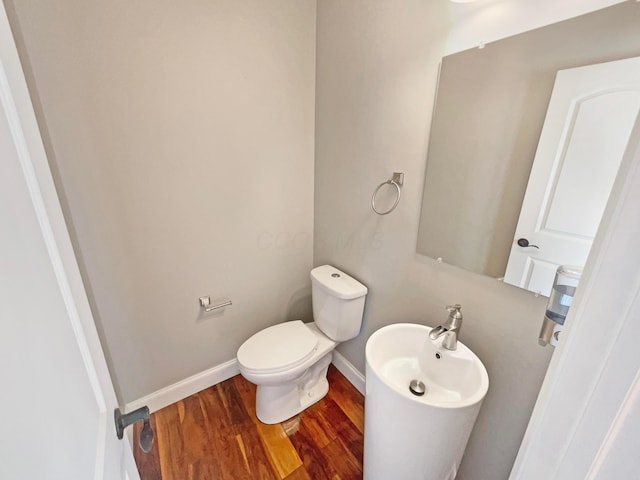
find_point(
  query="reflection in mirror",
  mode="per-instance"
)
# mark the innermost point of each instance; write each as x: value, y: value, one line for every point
x: 585, y: 134
x: 489, y: 115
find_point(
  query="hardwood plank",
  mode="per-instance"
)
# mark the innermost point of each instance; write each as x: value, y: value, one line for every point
x: 170, y: 443
x: 299, y: 473
x: 314, y: 462
x: 193, y: 427
x: 257, y: 461
x: 148, y: 463
x: 346, y: 397
x: 224, y: 453
x: 281, y: 453
x: 243, y: 450
x: 256, y: 458
x: 320, y: 429
x: 339, y: 458
x: 200, y: 470
x: 341, y: 463
x: 215, y: 434
x: 348, y: 433
x: 233, y: 404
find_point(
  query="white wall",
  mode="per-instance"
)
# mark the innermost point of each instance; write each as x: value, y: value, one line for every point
x: 488, y: 20
x: 377, y: 67
x: 183, y: 134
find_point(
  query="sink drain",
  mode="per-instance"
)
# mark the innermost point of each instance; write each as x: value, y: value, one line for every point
x: 417, y: 388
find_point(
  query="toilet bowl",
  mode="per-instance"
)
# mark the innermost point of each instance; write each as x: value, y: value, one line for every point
x: 288, y: 362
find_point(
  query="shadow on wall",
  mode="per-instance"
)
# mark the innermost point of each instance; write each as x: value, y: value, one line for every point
x: 299, y: 307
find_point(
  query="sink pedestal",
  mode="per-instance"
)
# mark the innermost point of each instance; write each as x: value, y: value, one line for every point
x: 404, y: 439
x: 413, y: 437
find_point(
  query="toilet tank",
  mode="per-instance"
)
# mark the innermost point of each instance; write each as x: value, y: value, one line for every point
x: 338, y: 302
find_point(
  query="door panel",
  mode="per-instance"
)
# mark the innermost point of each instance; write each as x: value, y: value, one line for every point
x: 590, y: 161
x: 586, y: 131
x: 45, y: 367
x: 537, y: 273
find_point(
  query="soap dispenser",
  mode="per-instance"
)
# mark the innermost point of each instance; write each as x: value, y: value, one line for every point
x: 562, y: 292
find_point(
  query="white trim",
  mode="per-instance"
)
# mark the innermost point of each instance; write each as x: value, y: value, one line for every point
x: 630, y: 403
x: 346, y: 368
x: 184, y: 388
x: 208, y: 378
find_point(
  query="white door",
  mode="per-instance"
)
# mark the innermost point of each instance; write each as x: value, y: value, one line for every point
x: 57, y: 399
x: 590, y: 116
x: 586, y: 422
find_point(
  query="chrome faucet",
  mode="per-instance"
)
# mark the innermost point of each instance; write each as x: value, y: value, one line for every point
x: 450, y: 328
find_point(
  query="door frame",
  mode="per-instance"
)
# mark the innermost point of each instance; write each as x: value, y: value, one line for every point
x: 591, y: 386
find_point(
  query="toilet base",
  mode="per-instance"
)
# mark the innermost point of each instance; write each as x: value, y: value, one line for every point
x: 277, y: 403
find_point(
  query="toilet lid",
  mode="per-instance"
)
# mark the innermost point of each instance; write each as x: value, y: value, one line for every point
x: 278, y: 347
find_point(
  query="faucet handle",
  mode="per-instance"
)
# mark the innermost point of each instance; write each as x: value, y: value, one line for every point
x: 454, y: 311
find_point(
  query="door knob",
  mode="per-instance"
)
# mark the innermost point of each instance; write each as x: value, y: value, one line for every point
x: 523, y: 242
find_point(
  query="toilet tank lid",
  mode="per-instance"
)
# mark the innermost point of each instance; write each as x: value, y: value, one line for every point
x: 337, y: 283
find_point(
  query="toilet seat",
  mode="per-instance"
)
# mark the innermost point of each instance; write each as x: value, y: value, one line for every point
x: 277, y: 348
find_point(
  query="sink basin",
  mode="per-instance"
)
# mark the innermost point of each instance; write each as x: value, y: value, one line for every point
x: 402, y: 352
x: 413, y: 436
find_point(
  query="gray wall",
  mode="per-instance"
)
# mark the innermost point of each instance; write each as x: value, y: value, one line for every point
x: 377, y: 66
x: 182, y: 137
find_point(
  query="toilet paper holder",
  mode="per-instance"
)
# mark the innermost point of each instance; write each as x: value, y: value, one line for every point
x: 205, y: 302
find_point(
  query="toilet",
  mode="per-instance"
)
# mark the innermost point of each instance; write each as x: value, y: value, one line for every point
x: 288, y: 362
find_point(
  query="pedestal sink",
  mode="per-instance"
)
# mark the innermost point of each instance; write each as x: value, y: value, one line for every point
x: 411, y: 436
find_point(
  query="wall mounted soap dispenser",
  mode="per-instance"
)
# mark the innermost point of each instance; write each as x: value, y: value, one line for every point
x: 562, y: 292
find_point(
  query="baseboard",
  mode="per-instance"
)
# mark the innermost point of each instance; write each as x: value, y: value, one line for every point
x: 355, y: 377
x: 182, y: 389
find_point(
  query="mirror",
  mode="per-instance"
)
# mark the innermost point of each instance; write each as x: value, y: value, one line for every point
x: 489, y: 113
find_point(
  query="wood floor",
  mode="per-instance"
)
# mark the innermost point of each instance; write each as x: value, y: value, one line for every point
x: 215, y: 434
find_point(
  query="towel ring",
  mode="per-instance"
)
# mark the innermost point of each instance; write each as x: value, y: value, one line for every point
x: 397, y: 180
